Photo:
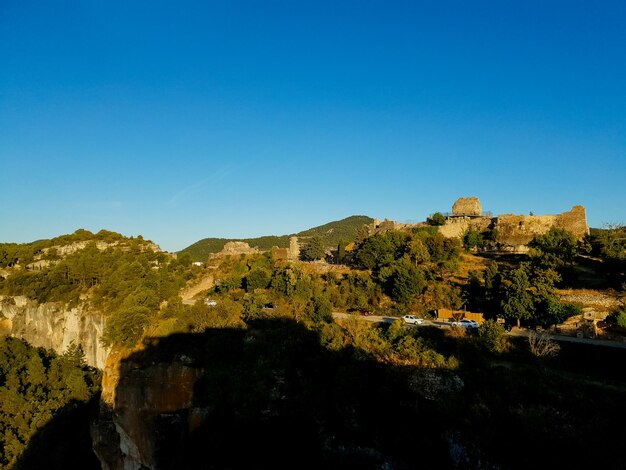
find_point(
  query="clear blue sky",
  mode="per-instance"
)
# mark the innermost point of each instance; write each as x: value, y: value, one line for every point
x: 183, y: 120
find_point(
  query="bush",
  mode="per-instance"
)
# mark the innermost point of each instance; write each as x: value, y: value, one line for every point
x: 473, y: 239
x: 436, y: 219
x: 542, y: 346
x: 492, y: 338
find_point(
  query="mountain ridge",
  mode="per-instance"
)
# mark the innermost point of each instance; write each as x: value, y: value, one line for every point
x: 331, y: 234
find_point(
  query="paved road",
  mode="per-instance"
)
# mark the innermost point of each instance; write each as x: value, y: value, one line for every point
x: 383, y: 319
x: 513, y: 332
x: 572, y: 339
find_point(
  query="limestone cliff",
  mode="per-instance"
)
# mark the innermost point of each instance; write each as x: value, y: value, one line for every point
x: 144, y: 407
x: 54, y: 326
x: 268, y: 396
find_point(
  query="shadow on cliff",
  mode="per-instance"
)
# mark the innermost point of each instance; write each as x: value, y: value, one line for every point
x: 64, y: 442
x: 269, y: 396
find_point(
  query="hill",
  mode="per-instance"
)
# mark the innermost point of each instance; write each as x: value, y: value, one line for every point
x: 63, y: 245
x: 331, y: 234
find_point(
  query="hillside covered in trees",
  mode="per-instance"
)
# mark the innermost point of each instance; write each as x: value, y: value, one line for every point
x: 331, y: 234
x: 270, y: 355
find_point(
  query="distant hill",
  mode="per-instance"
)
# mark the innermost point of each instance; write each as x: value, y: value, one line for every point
x: 330, y: 233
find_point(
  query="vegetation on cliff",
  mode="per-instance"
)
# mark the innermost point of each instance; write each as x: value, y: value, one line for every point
x: 126, y: 281
x: 25, y: 253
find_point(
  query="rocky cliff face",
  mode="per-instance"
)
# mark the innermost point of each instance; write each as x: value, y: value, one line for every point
x: 144, y: 409
x: 54, y: 326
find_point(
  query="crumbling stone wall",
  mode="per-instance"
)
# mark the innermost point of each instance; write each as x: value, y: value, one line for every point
x: 517, y: 231
x: 287, y: 254
x: 514, y: 232
x: 457, y: 226
x: 234, y: 248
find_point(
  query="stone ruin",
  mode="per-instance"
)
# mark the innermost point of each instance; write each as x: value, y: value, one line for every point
x: 514, y: 232
x: 234, y: 248
x: 468, y: 207
x: 287, y: 254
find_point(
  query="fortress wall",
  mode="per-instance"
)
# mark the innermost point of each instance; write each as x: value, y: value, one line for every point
x: 575, y: 221
x: 517, y: 231
x: 456, y: 227
x: 514, y: 232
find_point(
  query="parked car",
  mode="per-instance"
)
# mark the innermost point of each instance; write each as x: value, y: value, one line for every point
x: 467, y: 324
x: 210, y: 302
x: 412, y: 320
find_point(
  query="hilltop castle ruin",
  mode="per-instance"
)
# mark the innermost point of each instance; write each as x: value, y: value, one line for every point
x: 512, y: 232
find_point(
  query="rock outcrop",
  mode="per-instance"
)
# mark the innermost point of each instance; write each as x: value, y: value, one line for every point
x: 142, y: 405
x: 66, y: 250
x: 54, y: 326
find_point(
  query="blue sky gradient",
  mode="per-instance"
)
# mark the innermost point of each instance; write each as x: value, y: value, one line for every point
x: 183, y: 120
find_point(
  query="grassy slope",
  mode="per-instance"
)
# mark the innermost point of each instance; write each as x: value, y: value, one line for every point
x: 330, y: 233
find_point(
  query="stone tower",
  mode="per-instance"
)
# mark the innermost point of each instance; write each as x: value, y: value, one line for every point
x: 467, y: 206
x: 294, y: 249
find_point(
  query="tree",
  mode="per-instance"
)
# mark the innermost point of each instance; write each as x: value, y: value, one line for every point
x: 493, y: 290
x: 473, y: 293
x: 381, y: 250
x: 257, y: 279
x: 436, y: 219
x: 126, y: 326
x: 555, y: 249
x: 612, y: 242
x: 403, y: 281
x: 314, y: 249
x: 228, y: 284
x: 552, y: 312
x: 473, y: 239
x: 341, y: 252
x: 518, y: 301
x: 418, y: 252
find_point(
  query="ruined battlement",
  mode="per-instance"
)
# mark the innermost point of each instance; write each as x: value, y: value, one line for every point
x: 514, y: 232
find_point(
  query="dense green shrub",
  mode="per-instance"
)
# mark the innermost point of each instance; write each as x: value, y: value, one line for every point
x: 492, y: 337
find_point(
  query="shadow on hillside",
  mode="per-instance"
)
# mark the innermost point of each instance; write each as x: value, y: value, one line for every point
x: 64, y: 442
x: 273, y: 396
x: 266, y: 397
